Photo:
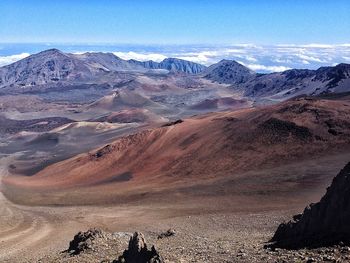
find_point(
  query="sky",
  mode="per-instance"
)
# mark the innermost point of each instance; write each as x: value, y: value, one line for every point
x: 176, y: 22
x: 202, y: 31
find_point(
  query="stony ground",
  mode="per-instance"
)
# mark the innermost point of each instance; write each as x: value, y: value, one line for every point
x: 213, y: 229
x: 214, y: 238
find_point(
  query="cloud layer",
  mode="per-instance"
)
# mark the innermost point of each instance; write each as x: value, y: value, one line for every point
x: 259, y: 58
x: 5, y: 60
x: 139, y: 56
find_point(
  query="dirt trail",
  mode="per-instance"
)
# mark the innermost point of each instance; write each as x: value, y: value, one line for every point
x: 29, y: 233
x: 21, y: 229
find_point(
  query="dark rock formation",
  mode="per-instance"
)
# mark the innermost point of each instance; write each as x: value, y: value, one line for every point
x: 138, y: 252
x: 168, y: 233
x: 172, y: 123
x: 102, y: 151
x: 322, y: 224
x: 84, y: 240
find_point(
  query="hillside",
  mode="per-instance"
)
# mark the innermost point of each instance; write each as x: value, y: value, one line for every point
x: 297, y: 82
x: 206, y: 147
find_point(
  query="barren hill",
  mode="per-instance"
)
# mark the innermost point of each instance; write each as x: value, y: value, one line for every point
x: 207, y: 147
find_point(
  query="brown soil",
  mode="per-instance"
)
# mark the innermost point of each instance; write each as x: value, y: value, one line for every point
x: 223, y: 181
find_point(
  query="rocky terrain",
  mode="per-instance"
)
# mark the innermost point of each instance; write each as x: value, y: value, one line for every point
x: 323, y: 223
x: 248, y: 246
x: 206, y: 162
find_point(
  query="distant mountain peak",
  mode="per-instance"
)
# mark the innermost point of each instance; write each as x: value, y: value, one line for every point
x: 52, y: 51
x: 180, y: 65
x: 48, y: 66
x: 175, y: 59
x: 229, y: 72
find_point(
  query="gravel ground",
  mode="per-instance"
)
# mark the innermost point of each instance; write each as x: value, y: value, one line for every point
x: 208, y: 238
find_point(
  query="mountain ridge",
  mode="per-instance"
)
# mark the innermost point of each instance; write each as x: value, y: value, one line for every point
x: 52, y: 65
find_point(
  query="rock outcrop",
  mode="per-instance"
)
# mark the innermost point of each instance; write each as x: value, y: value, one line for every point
x: 322, y: 224
x: 84, y: 240
x: 138, y: 252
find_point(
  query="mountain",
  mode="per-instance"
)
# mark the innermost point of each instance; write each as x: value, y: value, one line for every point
x: 172, y: 65
x: 325, y: 223
x: 107, y: 62
x: 47, y: 66
x: 55, y: 66
x: 180, y: 65
x: 229, y: 72
x: 297, y: 82
x: 150, y: 64
x: 53, y: 69
x: 280, y: 85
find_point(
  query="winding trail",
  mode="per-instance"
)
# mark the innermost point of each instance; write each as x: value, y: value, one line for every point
x: 21, y: 228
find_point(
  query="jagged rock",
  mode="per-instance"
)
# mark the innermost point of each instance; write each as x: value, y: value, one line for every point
x: 84, y: 240
x: 138, y: 252
x: 322, y: 224
x: 168, y: 233
x: 172, y: 123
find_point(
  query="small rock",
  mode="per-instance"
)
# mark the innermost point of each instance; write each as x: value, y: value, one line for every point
x: 168, y: 233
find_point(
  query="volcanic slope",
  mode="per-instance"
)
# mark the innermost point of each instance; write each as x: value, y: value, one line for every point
x: 206, y: 148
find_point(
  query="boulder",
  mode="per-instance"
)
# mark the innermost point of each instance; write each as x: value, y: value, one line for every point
x: 325, y: 223
x: 84, y: 240
x: 138, y: 252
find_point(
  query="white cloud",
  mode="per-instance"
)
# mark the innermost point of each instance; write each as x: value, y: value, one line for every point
x: 5, y: 60
x: 262, y: 58
x: 309, y: 58
x: 305, y: 62
x: 258, y: 67
x: 282, y: 60
x: 202, y: 57
x: 251, y: 59
x: 317, y: 46
x: 140, y: 56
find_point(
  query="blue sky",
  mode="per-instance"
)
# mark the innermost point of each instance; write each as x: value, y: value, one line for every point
x: 176, y: 22
x: 265, y: 35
